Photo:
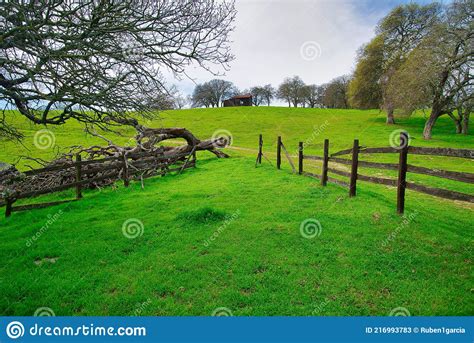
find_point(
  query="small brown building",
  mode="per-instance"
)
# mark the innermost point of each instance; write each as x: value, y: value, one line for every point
x: 239, y: 100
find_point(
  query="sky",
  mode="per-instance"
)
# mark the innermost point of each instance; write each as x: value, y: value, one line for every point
x: 315, y: 39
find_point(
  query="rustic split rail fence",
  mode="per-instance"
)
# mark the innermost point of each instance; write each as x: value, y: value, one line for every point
x: 143, y: 165
x: 402, y: 167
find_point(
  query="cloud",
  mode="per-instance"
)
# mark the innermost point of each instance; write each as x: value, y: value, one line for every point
x: 269, y: 36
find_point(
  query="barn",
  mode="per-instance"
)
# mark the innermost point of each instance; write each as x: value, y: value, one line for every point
x: 239, y: 100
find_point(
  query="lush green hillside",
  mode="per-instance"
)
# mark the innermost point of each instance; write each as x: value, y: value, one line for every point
x: 227, y: 234
x: 293, y: 124
x: 310, y: 126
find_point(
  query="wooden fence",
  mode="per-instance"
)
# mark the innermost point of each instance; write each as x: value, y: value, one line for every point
x: 143, y: 165
x: 402, y: 167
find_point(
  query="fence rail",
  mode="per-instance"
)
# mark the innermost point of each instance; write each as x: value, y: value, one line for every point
x: 402, y: 167
x: 117, y: 167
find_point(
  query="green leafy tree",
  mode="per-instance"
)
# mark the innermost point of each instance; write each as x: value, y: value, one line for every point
x: 397, y: 35
x: 438, y: 73
x: 364, y: 89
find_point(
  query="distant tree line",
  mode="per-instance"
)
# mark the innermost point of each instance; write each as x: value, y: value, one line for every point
x: 292, y: 91
x: 330, y: 95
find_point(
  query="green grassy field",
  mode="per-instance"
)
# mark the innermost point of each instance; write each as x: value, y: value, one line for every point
x: 227, y: 234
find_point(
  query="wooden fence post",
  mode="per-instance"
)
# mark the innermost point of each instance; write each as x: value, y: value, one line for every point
x: 355, y: 163
x: 78, y: 176
x: 279, y: 152
x: 8, y: 208
x: 300, y: 158
x: 126, y: 181
x: 402, y: 172
x: 260, y: 149
x: 324, y: 174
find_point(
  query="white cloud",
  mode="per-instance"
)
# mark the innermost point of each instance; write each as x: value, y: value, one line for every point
x: 269, y: 35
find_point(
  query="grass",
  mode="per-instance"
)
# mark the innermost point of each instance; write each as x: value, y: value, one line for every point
x: 227, y: 234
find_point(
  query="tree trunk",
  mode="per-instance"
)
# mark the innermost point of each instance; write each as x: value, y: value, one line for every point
x: 457, y: 121
x: 390, y: 116
x: 465, y: 124
x: 435, y: 114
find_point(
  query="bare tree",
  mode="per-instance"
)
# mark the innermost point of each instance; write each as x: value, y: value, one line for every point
x: 168, y: 100
x: 179, y: 100
x: 220, y: 90
x: 313, y: 95
x: 258, y: 95
x: 202, y: 96
x: 291, y: 90
x: 161, y: 101
x: 268, y: 93
x: 335, y: 93
x: 98, y: 61
x: 284, y: 92
x: 213, y: 93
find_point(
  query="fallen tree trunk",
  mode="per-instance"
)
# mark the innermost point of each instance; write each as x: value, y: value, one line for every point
x: 148, y: 142
x: 148, y: 138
